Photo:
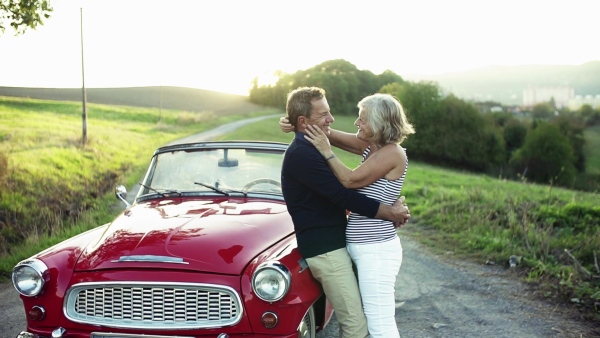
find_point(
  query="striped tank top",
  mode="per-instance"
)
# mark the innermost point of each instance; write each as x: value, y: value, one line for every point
x: 365, y: 230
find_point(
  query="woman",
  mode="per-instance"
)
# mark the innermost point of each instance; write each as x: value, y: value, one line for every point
x: 373, y: 244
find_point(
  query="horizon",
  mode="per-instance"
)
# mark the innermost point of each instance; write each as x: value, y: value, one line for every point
x: 412, y: 77
x: 208, y: 46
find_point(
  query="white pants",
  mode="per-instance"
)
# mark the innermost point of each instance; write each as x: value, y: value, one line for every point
x: 378, y: 265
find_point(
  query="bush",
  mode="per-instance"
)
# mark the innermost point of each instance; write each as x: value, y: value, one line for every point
x: 546, y: 157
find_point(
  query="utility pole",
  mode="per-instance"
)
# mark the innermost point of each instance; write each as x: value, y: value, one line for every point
x: 84, y: 99
x: 160, y: 105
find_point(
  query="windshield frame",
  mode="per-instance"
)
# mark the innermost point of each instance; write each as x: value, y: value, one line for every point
x: 147, y: 191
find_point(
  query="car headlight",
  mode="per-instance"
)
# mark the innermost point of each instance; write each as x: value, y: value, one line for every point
x: 271, y: 281
x: 28, y: 277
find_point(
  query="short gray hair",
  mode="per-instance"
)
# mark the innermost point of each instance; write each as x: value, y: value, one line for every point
x: 386, y: 118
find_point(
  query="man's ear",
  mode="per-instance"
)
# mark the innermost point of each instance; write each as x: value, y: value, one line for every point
x: 301, y: 122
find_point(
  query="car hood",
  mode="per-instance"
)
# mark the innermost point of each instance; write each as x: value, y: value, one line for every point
x: 219, y: 236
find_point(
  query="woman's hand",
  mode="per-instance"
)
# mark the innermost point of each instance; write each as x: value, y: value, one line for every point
x: 317, y: 137
x: 285, y: 125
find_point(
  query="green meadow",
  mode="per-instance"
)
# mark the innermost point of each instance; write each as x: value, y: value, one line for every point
x: 52, y: 187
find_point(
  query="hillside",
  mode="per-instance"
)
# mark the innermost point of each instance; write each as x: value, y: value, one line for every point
x: 179, y: 98
x: 506, y: 84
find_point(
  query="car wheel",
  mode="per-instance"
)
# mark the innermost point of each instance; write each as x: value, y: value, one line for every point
x: 307, y: 325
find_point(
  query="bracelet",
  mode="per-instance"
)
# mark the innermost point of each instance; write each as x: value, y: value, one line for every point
x: 330, y: 157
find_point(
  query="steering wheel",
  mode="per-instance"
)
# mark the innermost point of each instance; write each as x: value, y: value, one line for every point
x: 261, y: 181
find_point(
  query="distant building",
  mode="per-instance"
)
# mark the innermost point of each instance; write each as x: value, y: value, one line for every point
x: 560, y: 94
x: 579, y: 100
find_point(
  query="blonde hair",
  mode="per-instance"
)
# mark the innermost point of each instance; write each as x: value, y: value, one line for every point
x: 386, y: 118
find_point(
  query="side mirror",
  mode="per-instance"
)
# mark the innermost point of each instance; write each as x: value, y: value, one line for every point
x: 121, y: 194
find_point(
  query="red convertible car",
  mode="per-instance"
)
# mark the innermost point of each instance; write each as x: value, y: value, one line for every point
x: 206, y: 249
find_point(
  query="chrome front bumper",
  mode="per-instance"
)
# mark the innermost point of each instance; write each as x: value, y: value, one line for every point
x: 57, y: 333
x: 26, y: 335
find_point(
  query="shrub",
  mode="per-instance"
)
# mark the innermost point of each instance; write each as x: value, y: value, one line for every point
x: 546, y: 157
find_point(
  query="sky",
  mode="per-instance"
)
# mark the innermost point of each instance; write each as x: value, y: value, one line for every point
x: 222, y: 45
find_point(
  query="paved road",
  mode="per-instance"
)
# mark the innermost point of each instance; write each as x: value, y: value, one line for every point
x: 224, y: 129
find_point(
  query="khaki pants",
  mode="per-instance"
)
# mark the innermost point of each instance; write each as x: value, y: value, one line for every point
x: 334, y: 271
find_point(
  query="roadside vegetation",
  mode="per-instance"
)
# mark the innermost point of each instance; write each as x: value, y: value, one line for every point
x: 543, y: 144
x: 553, y: 233
x: 52, y: 186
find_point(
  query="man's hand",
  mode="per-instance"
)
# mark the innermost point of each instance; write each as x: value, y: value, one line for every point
x: 403, y: 210
x: 397, y: 212
x: 285, y: 124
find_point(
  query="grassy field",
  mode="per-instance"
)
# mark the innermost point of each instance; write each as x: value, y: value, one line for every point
x: 52, y: 186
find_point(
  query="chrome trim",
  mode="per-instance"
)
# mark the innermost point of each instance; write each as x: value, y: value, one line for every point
x: 59, y: 332
x: 41, y: 309
x: 38, y: 266
x: 303, y: 265
x: 24, y: 334
x: 133, y: 316
x: 282, y: 269
x: 276, y: 318
x: 150, y: 259
x: 121, y: 193
x: 279, y: 147
x: 306, y: 330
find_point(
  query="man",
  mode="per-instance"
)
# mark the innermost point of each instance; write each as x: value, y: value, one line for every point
x: 317, y: 202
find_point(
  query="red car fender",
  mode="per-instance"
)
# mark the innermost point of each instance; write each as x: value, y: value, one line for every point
x: 304, y: 291
x: 60, y: 257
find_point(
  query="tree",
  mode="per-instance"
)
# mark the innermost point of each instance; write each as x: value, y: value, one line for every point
x: 546, y: 156
x: 449, y: 130
x: 421, y: 102
x: 542, y: 111
x: 463, y: 137
x: 23, y: 14
x: 514, y: 134
x: 589, y: 116
x: 573, y: 127
x: 344, y: 83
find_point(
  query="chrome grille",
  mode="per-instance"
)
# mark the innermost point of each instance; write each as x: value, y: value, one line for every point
x: 152, y: 305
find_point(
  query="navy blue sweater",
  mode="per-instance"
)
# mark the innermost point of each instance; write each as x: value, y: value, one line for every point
x: 317, y: 201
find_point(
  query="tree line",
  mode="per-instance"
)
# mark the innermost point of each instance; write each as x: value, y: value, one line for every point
x: 545, y: 147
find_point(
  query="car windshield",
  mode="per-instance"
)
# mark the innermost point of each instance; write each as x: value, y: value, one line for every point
x: 214, y: 170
